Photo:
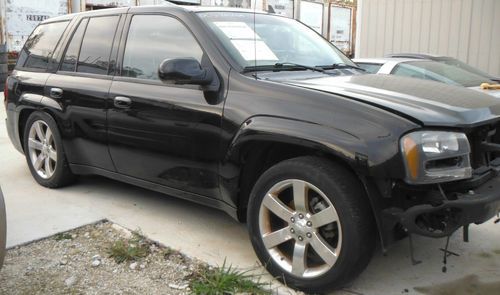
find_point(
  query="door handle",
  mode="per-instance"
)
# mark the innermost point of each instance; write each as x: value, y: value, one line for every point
x: 56, y: 92
x: 122, y: 102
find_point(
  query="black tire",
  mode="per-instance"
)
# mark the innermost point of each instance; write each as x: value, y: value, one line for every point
x: 62, y: 175
x: 347, y: 195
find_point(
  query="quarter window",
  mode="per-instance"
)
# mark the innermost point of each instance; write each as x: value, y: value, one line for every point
x: 40, y: 46
x: 408, y: 71
x: 370, y: 68
x: 96, y: 45
x: 71, y: 56
x: 152, y: 39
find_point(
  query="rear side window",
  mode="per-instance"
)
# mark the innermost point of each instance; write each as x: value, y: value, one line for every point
x: 152, y: 39
x: 71, y: 56
x: 370, y: 68
x: 39, y: 48
x: 96, y: 45
x: 409, y: 71
x: 441, y: 72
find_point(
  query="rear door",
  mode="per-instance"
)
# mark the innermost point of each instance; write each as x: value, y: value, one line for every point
x: 32, y: 71
x: 163, y: 133
x: 80, y: 87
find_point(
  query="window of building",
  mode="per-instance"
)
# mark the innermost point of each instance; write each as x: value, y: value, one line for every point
x: 96, y: 45
x: 71, y: 56
x: 40, y: 46
x: 152, y: 39
x: 311, y: 14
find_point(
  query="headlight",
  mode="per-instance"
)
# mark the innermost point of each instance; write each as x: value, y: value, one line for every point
x: 436, y: 156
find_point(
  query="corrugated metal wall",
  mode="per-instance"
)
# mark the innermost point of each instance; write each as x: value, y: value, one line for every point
x: 466, y: 29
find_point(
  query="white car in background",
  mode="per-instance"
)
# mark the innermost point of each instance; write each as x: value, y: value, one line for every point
x: 428, y: 70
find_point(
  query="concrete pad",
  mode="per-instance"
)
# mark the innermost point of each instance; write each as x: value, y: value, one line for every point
x: 34, y: 212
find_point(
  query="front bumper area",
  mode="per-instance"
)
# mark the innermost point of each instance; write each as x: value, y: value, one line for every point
x: 445, y: 218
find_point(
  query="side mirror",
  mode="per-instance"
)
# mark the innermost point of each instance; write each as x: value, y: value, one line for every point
x: 184, y: 71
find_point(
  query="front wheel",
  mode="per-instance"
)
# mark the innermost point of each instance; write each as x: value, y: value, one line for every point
x: 311, y: 224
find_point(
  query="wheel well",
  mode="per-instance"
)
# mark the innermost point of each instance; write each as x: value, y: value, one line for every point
x: 258, y: 156
x: 23, y: 118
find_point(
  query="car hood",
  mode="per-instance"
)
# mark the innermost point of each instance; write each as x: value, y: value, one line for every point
x: 494, y: 93
x: 431, y: 103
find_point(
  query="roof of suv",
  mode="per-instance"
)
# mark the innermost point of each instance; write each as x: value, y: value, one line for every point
x: 218, y: 8
x: 88, y: 13
x: 165, y: 6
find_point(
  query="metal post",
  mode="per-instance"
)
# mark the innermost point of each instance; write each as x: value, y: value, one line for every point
x: 296, y: 9
x: 76, y: 6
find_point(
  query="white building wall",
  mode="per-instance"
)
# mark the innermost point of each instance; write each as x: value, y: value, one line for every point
x: 22, y: 16
x: 466, y: 29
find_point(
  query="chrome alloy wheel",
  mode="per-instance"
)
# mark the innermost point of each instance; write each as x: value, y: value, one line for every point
x: 300, y: 228
x: 42, y: 149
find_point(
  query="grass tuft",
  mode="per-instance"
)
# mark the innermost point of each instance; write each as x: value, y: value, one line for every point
x: 127, y: 250
x: 226, y: 280
x: 63, y: 236
x: 167, y: 252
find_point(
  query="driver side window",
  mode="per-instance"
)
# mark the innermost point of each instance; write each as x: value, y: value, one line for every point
x: 152, y: 39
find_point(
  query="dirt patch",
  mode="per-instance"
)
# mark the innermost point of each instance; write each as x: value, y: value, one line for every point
x: 485, y: 255
x: 79, y: 262
x: 469, y: 285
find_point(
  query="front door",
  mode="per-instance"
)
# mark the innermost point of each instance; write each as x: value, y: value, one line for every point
x: 163, y: 133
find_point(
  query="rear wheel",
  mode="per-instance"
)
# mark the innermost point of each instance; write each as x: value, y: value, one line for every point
x: 44, y: 152
x: 310, y: 224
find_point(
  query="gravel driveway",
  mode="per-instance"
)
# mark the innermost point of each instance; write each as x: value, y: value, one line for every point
x: 78, y: 262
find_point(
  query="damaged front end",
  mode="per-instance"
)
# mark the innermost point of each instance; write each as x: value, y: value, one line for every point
x: 438, y: 197
x: 441, y: 217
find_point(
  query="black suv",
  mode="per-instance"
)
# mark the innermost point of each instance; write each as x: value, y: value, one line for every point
x: 259, y: 116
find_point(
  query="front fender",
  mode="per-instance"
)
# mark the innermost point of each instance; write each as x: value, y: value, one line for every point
x: 339, y: 143
x: 377, y: 156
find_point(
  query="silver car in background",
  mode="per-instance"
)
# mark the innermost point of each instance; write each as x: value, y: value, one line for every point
x: 446, y: 60
x: 427, y: 69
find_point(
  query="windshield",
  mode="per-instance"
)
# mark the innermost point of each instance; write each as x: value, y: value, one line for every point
x: 440, y: 72
x: 273, y: 40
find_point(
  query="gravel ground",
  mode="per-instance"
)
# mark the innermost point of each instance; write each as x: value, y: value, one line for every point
x: 78, y: 262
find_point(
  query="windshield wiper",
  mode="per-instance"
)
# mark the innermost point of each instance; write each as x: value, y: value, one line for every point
x: 285, y: 66
x: 342, y: 66
x: 294, y: 65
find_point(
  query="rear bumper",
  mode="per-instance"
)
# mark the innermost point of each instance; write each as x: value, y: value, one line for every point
x: 476, y: 207
x: 11, y: 122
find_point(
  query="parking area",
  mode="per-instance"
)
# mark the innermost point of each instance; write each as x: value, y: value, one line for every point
x: 34, y: 212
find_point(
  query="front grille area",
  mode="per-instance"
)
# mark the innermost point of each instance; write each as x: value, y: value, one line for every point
x: 485, y: 144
